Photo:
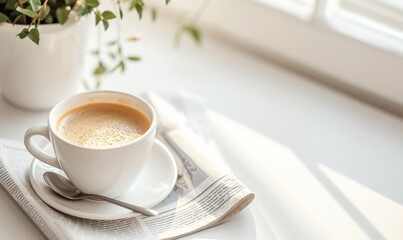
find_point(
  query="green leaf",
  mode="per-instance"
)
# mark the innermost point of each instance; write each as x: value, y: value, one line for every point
x: 138, y: 5
x: 45, y: 13
x: 49, y: 19
x: 153, y: 14
x: 193, y: 32
x: 122, y: 66
x: 167, y: 1
x: 2, y: 1
x: 69, y: 2
x: 91, y: 3
x: 139, y: 9
x: 106, y: 24
x: 34, y: 35
x: 120, y: 12
x: 62, y: 15
x: 97, y: 18
x: 11, y: 4
x: 83, y: 10
x: 100, y: 69
x: 35, y: 4
x: 108, y: 15
x: 27, y: 12
x: 134, y: 58
x: 3, y: 18
x: 23, y: 33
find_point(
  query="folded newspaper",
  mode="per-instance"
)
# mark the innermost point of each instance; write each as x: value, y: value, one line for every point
x: 205, y: 195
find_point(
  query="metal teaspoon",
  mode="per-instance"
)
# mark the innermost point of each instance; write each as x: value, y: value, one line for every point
x: 65, y: 188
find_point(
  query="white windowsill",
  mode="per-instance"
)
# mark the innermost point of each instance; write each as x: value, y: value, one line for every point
x: 360, y: 69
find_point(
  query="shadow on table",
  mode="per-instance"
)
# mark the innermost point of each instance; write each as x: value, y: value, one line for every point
x: 303, y: 199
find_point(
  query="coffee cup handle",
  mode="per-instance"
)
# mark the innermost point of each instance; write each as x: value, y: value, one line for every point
x: 34, y: 150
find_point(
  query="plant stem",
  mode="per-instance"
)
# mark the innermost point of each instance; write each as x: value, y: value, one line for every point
x: 23, y: 16
x: 119, y: 8
x: 38, y: 14
x: 119, y: 37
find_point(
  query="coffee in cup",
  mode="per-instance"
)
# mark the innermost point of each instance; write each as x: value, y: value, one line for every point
x: 102, y: 125
x: 101, y: 140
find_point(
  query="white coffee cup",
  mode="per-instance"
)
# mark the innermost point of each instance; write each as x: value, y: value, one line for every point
x: 109, y: 171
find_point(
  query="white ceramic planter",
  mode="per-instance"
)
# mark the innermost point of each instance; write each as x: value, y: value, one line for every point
x: 37, y: 77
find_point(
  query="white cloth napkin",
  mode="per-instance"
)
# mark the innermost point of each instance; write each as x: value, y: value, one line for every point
x: 182, y: 117
x: 180, y: 109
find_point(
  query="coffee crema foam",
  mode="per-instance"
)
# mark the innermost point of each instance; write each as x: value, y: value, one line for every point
x: 102, y: 125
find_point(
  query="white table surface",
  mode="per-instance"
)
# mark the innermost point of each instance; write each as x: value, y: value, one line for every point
x: 322, y: 165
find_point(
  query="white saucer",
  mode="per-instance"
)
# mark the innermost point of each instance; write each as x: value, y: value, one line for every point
x: 153, y: 185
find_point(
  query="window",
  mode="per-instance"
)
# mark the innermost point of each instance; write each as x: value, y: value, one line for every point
x: 377, y: 22
x: 300, y: 8
x: 355, y: 45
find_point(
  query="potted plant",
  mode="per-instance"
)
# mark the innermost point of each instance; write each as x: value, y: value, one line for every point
x: 46, y: 65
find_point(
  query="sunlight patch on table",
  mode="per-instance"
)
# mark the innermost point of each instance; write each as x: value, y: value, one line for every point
x: 293, y: 199
x: 379, y: 210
